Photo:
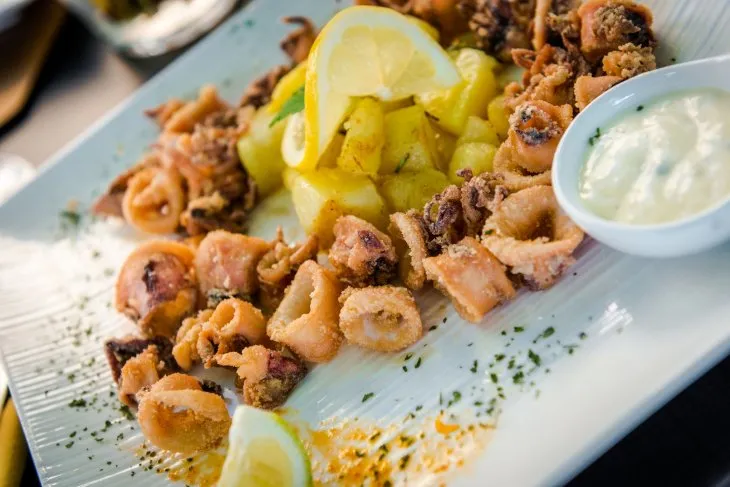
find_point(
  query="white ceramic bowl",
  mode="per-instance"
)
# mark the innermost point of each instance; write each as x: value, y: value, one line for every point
x: 683, y: 237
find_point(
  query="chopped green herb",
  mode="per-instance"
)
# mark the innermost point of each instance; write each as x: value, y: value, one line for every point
x: 504, y: 333
x: 534, y: 357
x: 408, y: 356
x: 404, y: 461
x: 418, y: 363
x: 545, y: 334
x: 488, y: 232
x: 494, y: 377
x: 499, y: 357
x: 77, y: 403
x: 594, y: 138
x: 456, y: 397
x: 405, y: 369
x: 511, y: 363
x: 294, y: 104
x: 70, y: 218
x: 124, y: 409
x: 368, y: 396
x: 402, y: 163
x: 69, y: 444
x: 570, y: 348
x: 583, y: 335
x: 419, y: 407
x: 518, y: 378
x: 433, y: 328
x: 441, y: 399
x: 478, y: 403
x: 639, y: 108
x: 474, y: 367
x: 519, y: 329
x: 72, y: 434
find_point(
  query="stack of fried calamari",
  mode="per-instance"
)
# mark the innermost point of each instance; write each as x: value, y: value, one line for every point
x: 192, y: 181
x: 265, y: 309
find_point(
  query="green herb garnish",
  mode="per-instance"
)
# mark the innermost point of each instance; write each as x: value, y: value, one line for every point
x: 294, y: 104
x: 368, y: 396
x: 402, y: 163
x: 474, y: 367
x: 594, y: 138
x: 534, y: 357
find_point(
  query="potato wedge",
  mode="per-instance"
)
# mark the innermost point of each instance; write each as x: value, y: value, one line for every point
x: 452, y: 107
x: 409, y: 190
x: 260, y: 152
x: 409, y: 142
x: 479, y: 130
x: 477, y: 156
x: 321, y: 196
x: 498, y: 116
x: 363, y: 145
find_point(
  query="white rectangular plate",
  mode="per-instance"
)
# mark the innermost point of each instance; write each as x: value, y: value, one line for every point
x: 651, y: 327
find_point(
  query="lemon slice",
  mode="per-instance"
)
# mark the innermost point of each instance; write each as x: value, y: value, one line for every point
x: 264, y: 451
x: 367, y: 51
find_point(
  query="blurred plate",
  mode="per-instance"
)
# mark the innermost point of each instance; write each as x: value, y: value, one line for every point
x: 608, y: 345
x: 175, y: 24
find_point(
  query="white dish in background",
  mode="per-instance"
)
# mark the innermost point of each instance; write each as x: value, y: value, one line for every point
x: 690, y: 235
x: 652, y: 326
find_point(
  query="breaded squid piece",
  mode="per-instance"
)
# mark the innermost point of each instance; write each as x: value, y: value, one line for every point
x: 535, y: 131
x: 471, y: 277
x: 409, y: 240
x: 185, y: 350
x: 186, y: 117
x: 525, y: 158
x: 277, y: 267
x: 176, y: 414
x: 306, y: 320
x: 608, y: 24
x: 119, y: 351
x: 383, y: 318
x: 588, y: 88
x: 157, y: 287
x: 268, y: 376
x: 139, y: 372
x: 629, y: 61
x: 226, y: 265
x: 362, y: 255
x: 530, y: 233
x: 153, y: 200
x: 110, y: 203
x: 233, y: 326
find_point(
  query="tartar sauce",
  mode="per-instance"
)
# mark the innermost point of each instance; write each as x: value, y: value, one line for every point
x: 663, y: 162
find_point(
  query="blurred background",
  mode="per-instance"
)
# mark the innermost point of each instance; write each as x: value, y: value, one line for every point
x: 64, y: 65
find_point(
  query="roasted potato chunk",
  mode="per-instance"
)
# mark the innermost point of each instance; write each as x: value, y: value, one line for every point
x: 260, y: 152
x: 409, y: 190
x: 479, y: 130
x: 410, y: 145
x: 322, y: 196
x: 498, y: 116
x: 477, y: 156
x: 363, y: 144
x: 452, y: 107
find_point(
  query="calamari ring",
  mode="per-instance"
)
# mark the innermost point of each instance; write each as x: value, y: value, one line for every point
x: 536, y: 128
x: 530, y: 233
x: 471, y: 277
x: 154, y: 200
x: 184, y: 118
x: 306, y: 320
x: 410, y: 246
x: 513, y: 175
x: 185, y: 350
x: 156, y: 287
x: 177, y: 415
x: 608, y: 24
x: 137, y: 373
x: 233, y: 325
x: 588, y: 88
x: 383, y: 318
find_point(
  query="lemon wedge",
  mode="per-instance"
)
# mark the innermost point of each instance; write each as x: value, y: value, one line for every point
x: 264, y: 451
x: 367, y: 51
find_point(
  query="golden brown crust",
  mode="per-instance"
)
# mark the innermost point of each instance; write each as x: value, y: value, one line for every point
x: 629, y: 61
x: 383, y: 318
x: 530, y: 233
x: 588, y: 88
x: 226, y: 265
x: 185, y: 350
x: 362, y: 255
x: 471, y: 277
x: 608, y: 24
x: 157, y: 288
x: 409, y: 240
x: 139, y: 372
x: 306, y: 320
x: 177, y: 415
x: 153, y: 200
x: 535, y: 131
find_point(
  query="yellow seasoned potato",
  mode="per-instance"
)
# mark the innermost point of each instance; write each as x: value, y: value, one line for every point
x: 363, y: 145
x: 452, y: 107
x: 332, y: 152
x: 409, y: 141
x: 445, y: 145
x: 260, y: 152
x: 321, y: 196
x: 498, y: 117
x: 477, y: 156
x: 478, y: 130
x: 410, y: 190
